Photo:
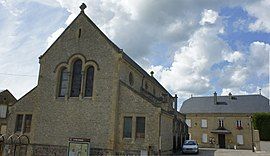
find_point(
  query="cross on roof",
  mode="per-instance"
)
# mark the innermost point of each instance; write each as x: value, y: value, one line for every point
x: 82, y: 7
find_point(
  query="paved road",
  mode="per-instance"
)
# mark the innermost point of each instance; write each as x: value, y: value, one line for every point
x: 229, y: 152
x: 265, y: 146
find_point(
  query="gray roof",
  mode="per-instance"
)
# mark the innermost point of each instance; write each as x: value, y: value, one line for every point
x: 237, y: 104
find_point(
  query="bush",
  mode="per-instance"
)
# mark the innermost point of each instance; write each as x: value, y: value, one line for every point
x: 261, y: 122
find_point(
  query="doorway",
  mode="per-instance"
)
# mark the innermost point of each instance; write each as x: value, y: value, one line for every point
x: 221, y: 140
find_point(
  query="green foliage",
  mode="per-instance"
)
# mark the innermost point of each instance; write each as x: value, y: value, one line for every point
x: 261, y: 122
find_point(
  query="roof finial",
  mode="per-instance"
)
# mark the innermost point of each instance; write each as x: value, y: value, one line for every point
x: 260, y: 91
x: 82, y: 7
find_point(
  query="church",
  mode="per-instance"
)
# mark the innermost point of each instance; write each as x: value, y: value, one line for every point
x: 92, y: 98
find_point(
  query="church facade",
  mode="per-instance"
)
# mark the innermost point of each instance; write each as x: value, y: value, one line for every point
x: 89, y: 89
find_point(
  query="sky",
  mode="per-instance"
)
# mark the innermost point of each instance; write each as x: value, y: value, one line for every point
x: 194, y: 47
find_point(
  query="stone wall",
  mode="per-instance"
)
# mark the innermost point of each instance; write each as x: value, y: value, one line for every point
x: 196, y: 130
x: 131, y: 104
x: 166, y: 132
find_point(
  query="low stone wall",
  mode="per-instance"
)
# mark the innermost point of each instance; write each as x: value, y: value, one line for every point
x: 48, y: 150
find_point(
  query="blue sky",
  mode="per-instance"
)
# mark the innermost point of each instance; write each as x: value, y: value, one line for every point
x: 193, y: 47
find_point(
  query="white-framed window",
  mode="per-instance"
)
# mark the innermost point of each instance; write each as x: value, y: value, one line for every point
x: 204, y: 123
x: 204, y: 138
x: 238, y: 123
x: 188, y: 122
x: 220, y: 123
x: 3, y: 111
x: 239, y: 139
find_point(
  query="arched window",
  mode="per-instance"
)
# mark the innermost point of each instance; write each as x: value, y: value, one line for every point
x: 63, y: 85
x: 76, y: 79
x: 89, y: 81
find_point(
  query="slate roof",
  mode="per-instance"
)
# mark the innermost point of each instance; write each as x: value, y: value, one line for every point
x: 237, y: 104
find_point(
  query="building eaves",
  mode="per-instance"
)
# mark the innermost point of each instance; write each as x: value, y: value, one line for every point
x: 142, y: 71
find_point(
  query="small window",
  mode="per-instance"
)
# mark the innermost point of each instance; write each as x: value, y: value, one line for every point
x: 127, y: 127
x: 146, y: 85
x: 3, y: 111
x: 27, y: 123
x: 189, y: 136
x: 63, y: 86
x: 204, y: 123
x: 19, y: 123
x: 131, y: 79
x: 220, y: 123
x: 80, y: 33
x: 140, y: 127
x: 154, y: 91
x: 89, y: 81
x: 240, y: 139
x: 188, y: 122
x: 76, y: 79
x: 204, y: 138
x: 238, y: 123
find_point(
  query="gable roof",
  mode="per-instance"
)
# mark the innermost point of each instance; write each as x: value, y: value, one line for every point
x: 124, y: 55
x: 225, y: 104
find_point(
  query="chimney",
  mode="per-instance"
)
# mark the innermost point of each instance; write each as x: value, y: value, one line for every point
x: 230, y: 95
x: 215, y: 98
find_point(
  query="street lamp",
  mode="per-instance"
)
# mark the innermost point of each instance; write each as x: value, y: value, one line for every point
x: 251, y: 129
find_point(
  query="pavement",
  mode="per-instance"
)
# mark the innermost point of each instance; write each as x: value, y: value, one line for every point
x: 265, y: 146
x: 226, y: 152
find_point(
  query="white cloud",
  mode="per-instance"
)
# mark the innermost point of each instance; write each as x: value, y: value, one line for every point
x: 234, y: 91
x: 260, y: 10
x: 209, y: 16
x: 234, y: 57
x: 259, y: 58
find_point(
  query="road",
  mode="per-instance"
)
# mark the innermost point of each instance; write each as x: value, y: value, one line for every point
x: 228, y: 152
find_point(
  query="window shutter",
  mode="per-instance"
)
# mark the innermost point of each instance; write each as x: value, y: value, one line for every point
x: 240, y: 139
x: 204, y: 123
x: 204, y: 138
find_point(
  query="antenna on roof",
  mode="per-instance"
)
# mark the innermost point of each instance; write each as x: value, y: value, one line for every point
x: 82, y: 7
x: 260, y: 91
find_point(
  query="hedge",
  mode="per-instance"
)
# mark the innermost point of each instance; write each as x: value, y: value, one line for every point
x: 261, y: 122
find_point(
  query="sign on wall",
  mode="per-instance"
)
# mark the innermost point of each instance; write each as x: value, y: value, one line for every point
x: 78, y: 147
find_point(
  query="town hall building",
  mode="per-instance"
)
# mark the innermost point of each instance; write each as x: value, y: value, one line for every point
x: 93, y: 98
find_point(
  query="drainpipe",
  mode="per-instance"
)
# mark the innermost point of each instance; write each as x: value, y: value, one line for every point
x: 159, y: 134
x: 251, y: 128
